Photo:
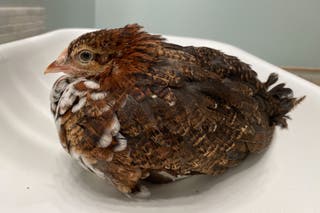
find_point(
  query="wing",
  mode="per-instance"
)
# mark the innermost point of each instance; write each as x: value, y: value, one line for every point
x: 186, y: 118
x: 272, y: 103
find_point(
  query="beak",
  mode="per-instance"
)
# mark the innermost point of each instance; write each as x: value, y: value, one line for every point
x: 59, y: 65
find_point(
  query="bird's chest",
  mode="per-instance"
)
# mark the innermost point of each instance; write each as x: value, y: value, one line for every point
x: 87, y: 124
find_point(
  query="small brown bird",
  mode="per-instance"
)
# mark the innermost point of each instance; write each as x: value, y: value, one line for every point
x: 133, y: 107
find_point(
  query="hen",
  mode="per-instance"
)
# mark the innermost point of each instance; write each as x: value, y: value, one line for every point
x: 133, y: 107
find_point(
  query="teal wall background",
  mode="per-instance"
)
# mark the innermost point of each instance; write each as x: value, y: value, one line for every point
x: 69, y: 13
x: 280, y: 31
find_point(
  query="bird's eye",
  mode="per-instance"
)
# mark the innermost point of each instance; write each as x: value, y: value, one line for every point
x: 85, y: 56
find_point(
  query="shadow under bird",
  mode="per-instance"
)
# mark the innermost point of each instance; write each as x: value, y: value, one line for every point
x: 134, y: 107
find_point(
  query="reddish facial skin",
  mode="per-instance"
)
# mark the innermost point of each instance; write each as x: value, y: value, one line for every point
x: 133, y: 107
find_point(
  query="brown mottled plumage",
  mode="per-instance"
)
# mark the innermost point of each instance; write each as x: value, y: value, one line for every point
x: 134, y: 107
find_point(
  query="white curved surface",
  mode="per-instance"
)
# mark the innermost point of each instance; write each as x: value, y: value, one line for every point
x: 36, y: 175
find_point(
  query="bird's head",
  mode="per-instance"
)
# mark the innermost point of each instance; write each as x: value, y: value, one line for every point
x: 126, y: 49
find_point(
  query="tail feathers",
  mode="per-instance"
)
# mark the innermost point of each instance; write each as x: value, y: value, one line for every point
x: 281, y: 101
